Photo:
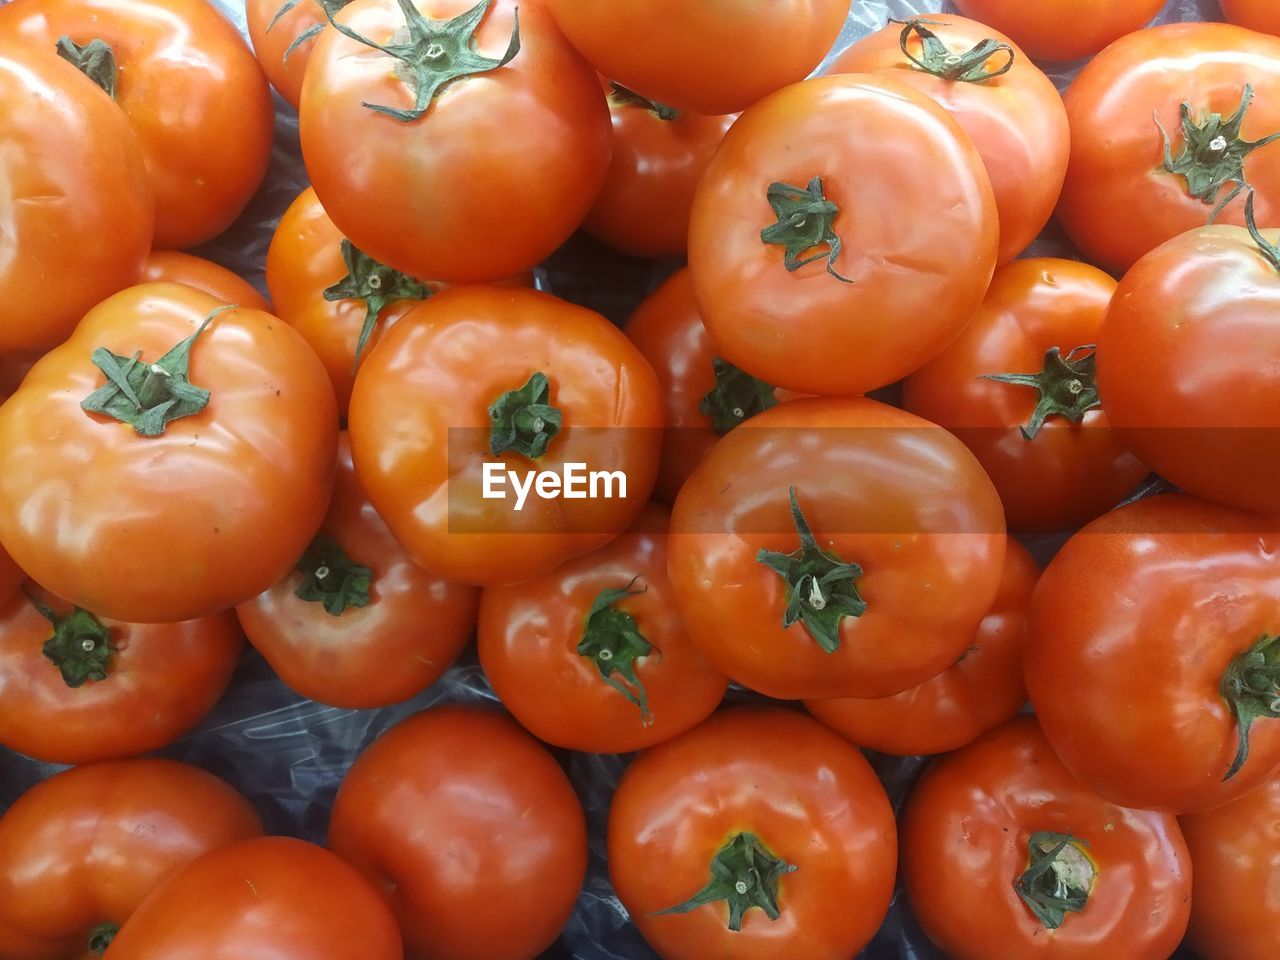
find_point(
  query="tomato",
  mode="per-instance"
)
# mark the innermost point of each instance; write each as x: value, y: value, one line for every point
x: 468, y: 166
x: 11, y: 576
x: 206, y: 159
x: 521, y: 382
x: 1152, y: 655
x: 268, y: 897
x: 1015, y: 118
x: 658, y: 155
x: 77, y: 209
x: 171, y: 266
x: 1049, y: 450
x: 481, y: 848
x: 1235, y: 852
x: 283, y: 34
x: 207, y: 498
x: 1214, y: 90
x: 1189, y: 363
x: 76, y: 687
x: 1060, y: 30
x: 903, y: 562
x: 759, y: 834
x: 80, y: 851
x: 1260, y: 15
x: 710, y: 57
x: 980, y: 690
x: 1006, y: 854
x: 881, y: 194
x: 357, y: 624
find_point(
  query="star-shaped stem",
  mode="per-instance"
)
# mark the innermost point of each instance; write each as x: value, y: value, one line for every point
x: 612, y: 640
x: 737, y: 396
x: 1251, y: 687
x: 744, y: 874
x: 332, y: 578
x: 96, y: 60
x: 1058, y: 879
x: 524, y: 419
x: 377, y: 285
x: 805, y: 220
x: 80, y: 647
x: 1066, y: 386
x: 938, y: 59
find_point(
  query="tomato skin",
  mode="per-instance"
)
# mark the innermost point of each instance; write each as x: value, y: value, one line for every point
x: 481, y: 848
x: 1118, y: 202
x: 1016, y: 121
x: 172, y: 266
x: 68, y: 141
x: 272, y: 39
x: 1235, y: 851
x: 1145, y: 725
x: 11, y: 576
x: 892, y: 161
x: 1260, y: 15
x: 1069, y: 473
x: 712, y: 57
x: 204, y: 161
x: 965, y: 836
x: 530, y: 140
x: 1061, y: 30
x: 810, y: 797
x: 982, y: 690
x: 87, y: 846
x: 197, y: 499
x: 1186, y: 361
x: 267, y: 897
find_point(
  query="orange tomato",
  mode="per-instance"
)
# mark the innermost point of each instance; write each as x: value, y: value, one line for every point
x: 283, y: 34
x: 1058, y: 30
x: 172, y: 266
x: 1260, y: 15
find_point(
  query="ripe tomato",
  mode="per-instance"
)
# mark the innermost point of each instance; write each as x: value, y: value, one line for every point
x: 268, y: 897
x: 80, y: 851
x: 78, y: 212
x: 357, y: 624
x: 1006, y: 105
x: 904, y: 562
x: 885, y: 198
x: 659, y: 154
x: 170, y: 266
x: 1006, y: 854
x: 1042, y: 436
x: 1215, y: 93
x: 1189, y: 363
x: 758, y: 834
x: 1060, y: 30
x: 982, y: 689
x: 520, y: 381
x: 481, y: 847
x: 206, y: 158
x: 470, y: 165
x: 11, y: 576
x: 1152, y: 655
x: 75, y: 687
x: 209, y: 511
x: 283, y: 33
x: 1260, y: 15
x: 710, y: 57
x: 1235, y: 853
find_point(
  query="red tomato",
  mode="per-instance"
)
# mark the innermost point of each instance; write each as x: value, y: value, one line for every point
x: 473, y: 166
x: 757, y: 835
x: 75, y: 687
x: 521, y: 381
x: 270, y: 897
x: 1189, y: 363
x: 11, y: 576
x: 357, y: 624
x: 283, y: 33
x: 903, y: 563
x: 1215, y: 93
x: 80, y: 851
x: 711, y: 57
x: 481, y: 848
x: 982, y: 689
x: 213, y: 508
x: 1006, y: 105
x: 170, y: 266
x: 1260, y: 15
x: 1235, y: 852
x: 1059, y: 30
x: 78, y: 212
x: 1152, y: 658
x: 1006, y: 854
x: 884, y: 197
x: 205, y: 157
x: 1042, y: 436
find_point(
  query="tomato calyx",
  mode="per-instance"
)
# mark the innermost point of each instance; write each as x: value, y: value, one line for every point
x: 1066, y: 386
x: 96, y: 60
x: 435, y: 53
x: 821, y: 588
x: 737, y: 396
x: 100, y: 938
x: 330, y: 8
x: 1058, y: 879
x: 805, y: 220
x: 1251, y: 687
x: 623, y: 96
x: 744, y: 874
x: 1270, y: 252
x: 332, y: 578
x: 524, y: 419
x: 1213, y: 152
x: 377, y: 285
x: 614, y: 643
x: 938, y: 59
x: 80, y: 647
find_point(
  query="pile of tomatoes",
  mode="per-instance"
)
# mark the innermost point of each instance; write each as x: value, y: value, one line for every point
x: 817, y: 451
